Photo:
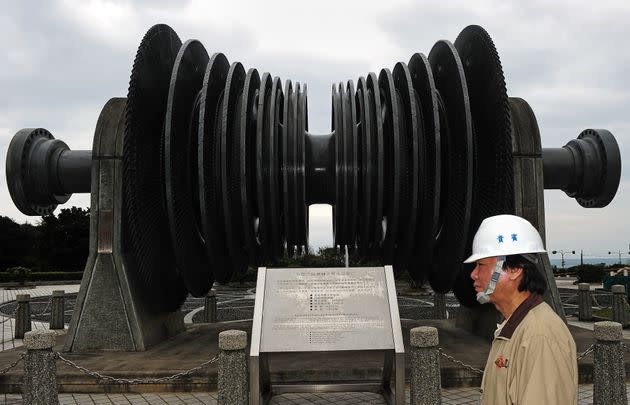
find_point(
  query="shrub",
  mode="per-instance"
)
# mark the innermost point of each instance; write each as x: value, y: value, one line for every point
x: 58, y: 276
x: 19, y: 273
x: 590, y: 273
x: 7, y: 277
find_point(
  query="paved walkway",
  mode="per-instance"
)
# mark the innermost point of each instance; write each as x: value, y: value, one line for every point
x: 573, y: 320
x: 8, y: 323
x: 457, y: 396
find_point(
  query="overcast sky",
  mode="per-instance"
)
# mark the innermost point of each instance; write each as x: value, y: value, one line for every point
x: 60, y: 61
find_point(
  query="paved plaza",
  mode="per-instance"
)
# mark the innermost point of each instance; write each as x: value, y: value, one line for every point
x: 455, y: 396
x: 449, y: 396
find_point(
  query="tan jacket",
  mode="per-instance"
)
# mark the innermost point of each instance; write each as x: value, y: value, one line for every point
x: 532, y: 360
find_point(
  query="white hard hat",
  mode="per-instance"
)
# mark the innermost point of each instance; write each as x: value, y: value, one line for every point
x: 503, y: 235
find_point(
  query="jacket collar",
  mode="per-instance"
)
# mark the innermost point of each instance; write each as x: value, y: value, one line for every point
x: 518, y: 315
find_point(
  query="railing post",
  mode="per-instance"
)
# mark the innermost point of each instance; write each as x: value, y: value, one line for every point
x: 232, y: 379
x: 609, y: 373
x: 439, y: 306
x: 210, y: 307
x: 619, y: 304
x: 22, y: 315
x: 585, y: 308
x: 425, y: 381
x: 39, y: 386
x: 57, y: 309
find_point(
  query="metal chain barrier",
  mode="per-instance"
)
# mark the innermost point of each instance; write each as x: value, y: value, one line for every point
x: 586, y: 352
x: 475, y: 370
x: 466, y: 366
x: 10, y: 316
x: 14, y: 313
x: 597, y: 304
x: 10, y: 366
x: 626, y: 348
x: 45, y: 309
x: 100, y: 376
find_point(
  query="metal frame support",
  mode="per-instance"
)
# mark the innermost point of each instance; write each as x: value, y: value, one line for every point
x: 262, y: 389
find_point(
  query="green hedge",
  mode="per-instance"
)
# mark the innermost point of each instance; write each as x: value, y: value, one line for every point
x: 43, y: 276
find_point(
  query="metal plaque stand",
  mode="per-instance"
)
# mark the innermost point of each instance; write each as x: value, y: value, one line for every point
x: 261, y: 387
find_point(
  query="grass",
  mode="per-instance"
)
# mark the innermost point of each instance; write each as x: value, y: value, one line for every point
x: 607, y: 313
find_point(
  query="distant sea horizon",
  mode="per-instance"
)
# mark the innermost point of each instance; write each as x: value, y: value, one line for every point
x: 588, y: 260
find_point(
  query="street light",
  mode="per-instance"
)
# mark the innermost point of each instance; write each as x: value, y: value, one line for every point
x: 562, y: 253
x: 619, y: 252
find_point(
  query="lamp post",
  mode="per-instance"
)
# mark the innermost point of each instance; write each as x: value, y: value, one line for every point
x: 562, y: 253
x: 618, y: 252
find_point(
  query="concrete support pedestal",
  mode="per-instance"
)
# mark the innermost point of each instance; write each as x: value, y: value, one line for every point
x: 111, y: 312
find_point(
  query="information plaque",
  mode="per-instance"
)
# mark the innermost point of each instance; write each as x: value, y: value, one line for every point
x: 326, y: 309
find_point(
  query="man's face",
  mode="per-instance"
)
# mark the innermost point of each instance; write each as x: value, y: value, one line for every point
x: 483, y: 272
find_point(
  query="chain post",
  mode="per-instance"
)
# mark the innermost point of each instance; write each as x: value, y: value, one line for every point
x: 210, y: 307
x: 22, y: 315
x: 232, y: 372
x: 39, y: 385
x: 609, y: 385
x: 425, y: 377
x: 58, y: 310
x: 585, y: 308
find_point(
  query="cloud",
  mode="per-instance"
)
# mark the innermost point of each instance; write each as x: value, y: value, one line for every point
x: 63, y: 60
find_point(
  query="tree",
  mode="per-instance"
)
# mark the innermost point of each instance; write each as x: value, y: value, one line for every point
x: 17, y: 244
x: 64, y: 240
x: 325, y: 257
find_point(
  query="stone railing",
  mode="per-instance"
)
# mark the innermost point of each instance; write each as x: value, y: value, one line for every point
x: 619, y: 303
x: 24, y: 313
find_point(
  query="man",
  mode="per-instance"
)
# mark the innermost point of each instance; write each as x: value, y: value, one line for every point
x: 532, y: 359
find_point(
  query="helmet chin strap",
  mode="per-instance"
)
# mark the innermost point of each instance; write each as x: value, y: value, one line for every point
x: 484, y: 296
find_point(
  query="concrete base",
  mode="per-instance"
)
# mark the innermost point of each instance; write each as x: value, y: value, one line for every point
x: 200, y: 342
x: 110, y: 313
